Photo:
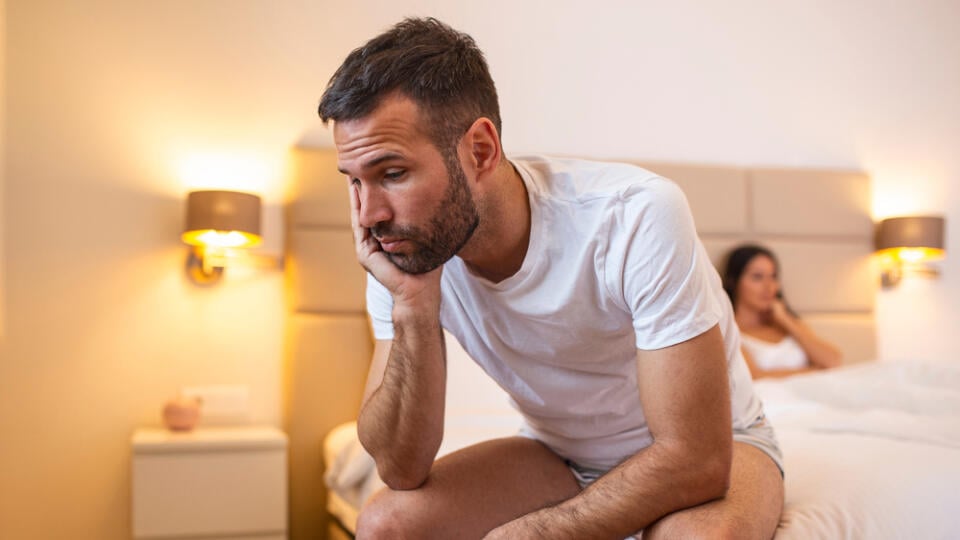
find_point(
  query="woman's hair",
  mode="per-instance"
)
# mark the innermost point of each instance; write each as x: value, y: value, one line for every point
x: 737, y: 261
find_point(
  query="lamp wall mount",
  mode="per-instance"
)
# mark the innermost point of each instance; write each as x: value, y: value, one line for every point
x: 218, y: 222
x: 909, y: 244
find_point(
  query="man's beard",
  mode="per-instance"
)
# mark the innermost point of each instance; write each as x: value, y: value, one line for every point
x: 450, y: 227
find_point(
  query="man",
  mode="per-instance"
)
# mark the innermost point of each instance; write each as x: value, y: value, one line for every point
x: 580, y: 287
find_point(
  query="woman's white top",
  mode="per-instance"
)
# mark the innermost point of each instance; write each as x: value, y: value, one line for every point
x: 784, y: 354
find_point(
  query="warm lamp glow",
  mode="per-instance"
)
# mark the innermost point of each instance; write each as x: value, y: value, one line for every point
x: 216, y: 222
x: 239, y: 171
x: 220, y: 239
x: 912, y: 254
x: 909, y: 240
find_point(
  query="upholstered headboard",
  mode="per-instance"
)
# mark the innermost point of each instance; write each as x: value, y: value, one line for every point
x: 817, y: 222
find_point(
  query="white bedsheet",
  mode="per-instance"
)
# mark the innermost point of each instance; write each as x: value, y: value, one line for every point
x: 351, y: 473
x: 870, y: 451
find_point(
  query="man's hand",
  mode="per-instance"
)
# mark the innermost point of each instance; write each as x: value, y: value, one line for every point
x: 684, y: 391
x: 401, y: 418
x: 408, y: 289
x: 523, y: 528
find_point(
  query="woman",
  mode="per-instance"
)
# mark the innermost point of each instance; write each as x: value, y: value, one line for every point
x: 775, y: 342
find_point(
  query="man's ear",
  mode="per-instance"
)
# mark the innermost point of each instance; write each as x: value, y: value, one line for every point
x: 481, y: 144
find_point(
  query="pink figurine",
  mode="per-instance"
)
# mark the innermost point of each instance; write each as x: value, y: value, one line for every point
x: 181, y: 414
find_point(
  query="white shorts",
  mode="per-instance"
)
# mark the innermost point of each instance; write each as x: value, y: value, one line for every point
x: 758, y: 434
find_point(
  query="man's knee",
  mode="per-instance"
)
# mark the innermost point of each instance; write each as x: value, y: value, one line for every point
x: 392, y: 514
x: 720, y: 529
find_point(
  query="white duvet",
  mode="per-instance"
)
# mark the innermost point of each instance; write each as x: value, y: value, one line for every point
x: 870, y: 451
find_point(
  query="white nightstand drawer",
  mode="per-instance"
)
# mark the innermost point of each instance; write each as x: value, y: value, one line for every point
x: 217, y: 485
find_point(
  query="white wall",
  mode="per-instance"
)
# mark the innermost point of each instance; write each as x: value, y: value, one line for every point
x: 868, y: 85
x: 113, y: 107
x: 862, y: 84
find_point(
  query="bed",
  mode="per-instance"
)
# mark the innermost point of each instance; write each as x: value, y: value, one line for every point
x: 871, y: 449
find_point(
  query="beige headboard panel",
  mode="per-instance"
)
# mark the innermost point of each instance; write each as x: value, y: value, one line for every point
x: 818, y: 224
x: 816, y: 221
x: 328, y: 340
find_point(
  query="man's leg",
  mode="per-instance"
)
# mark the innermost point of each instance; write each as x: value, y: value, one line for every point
x: 750, y: 510
x: 471, y: 492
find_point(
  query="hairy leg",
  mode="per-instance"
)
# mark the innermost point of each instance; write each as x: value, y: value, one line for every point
x: 470, y: 492
x: 751, y: 509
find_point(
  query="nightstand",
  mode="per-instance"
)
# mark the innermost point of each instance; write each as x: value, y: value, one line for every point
x: 214, y: 483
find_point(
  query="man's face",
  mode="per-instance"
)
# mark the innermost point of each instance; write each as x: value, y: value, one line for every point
x: 414, y: 200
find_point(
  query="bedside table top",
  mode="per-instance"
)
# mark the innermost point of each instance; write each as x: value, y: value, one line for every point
x: 160, y: 440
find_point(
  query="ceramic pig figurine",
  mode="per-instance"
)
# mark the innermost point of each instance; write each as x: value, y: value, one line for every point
x: 181, y: 413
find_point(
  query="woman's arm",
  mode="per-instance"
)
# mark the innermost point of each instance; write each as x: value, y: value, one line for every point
x: 820, y: 353
x: 781, y: 373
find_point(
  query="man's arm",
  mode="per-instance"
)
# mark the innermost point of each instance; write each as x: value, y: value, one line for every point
x: 684, y: 391
x: 401, y: 418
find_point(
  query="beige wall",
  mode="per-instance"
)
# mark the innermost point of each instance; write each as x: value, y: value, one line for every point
x: 3, y: 124
x: 116, y: 108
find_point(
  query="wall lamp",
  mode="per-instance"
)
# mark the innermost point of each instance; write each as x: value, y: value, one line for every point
x: 217, y: 223
x: 910, y: 241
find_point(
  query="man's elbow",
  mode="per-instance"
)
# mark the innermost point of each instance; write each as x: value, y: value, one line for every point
x: 716, y: 476
x: 401, y: 467
x: 402, y: 478
x: 711, y: 473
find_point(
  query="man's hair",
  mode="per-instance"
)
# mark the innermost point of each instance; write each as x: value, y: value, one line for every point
x: 440, y: 69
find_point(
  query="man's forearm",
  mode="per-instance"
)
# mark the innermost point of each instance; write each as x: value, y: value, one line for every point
x: 655, y: 482
x: 401, y: 423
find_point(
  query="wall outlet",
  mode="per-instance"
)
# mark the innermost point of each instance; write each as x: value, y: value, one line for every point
x: 221, y: 404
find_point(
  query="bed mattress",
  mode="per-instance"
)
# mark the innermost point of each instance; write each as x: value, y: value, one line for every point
x: 870, y: 451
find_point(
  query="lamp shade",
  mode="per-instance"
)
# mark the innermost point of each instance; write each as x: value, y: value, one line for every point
x: 222, y: 219
x: 914, y: 238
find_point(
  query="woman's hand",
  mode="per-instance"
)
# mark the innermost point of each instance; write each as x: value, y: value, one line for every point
x: 780, y: 315
x: 820, y: 353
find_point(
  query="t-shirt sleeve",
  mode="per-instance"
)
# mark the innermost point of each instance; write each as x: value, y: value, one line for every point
x: 380, y: 308
x: 665, y: 273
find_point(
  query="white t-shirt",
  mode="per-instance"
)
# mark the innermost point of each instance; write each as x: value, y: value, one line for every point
x: 784, y: 354
x: 613, y: 265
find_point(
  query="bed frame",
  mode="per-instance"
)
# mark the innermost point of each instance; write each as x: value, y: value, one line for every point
x: 816, y: 221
